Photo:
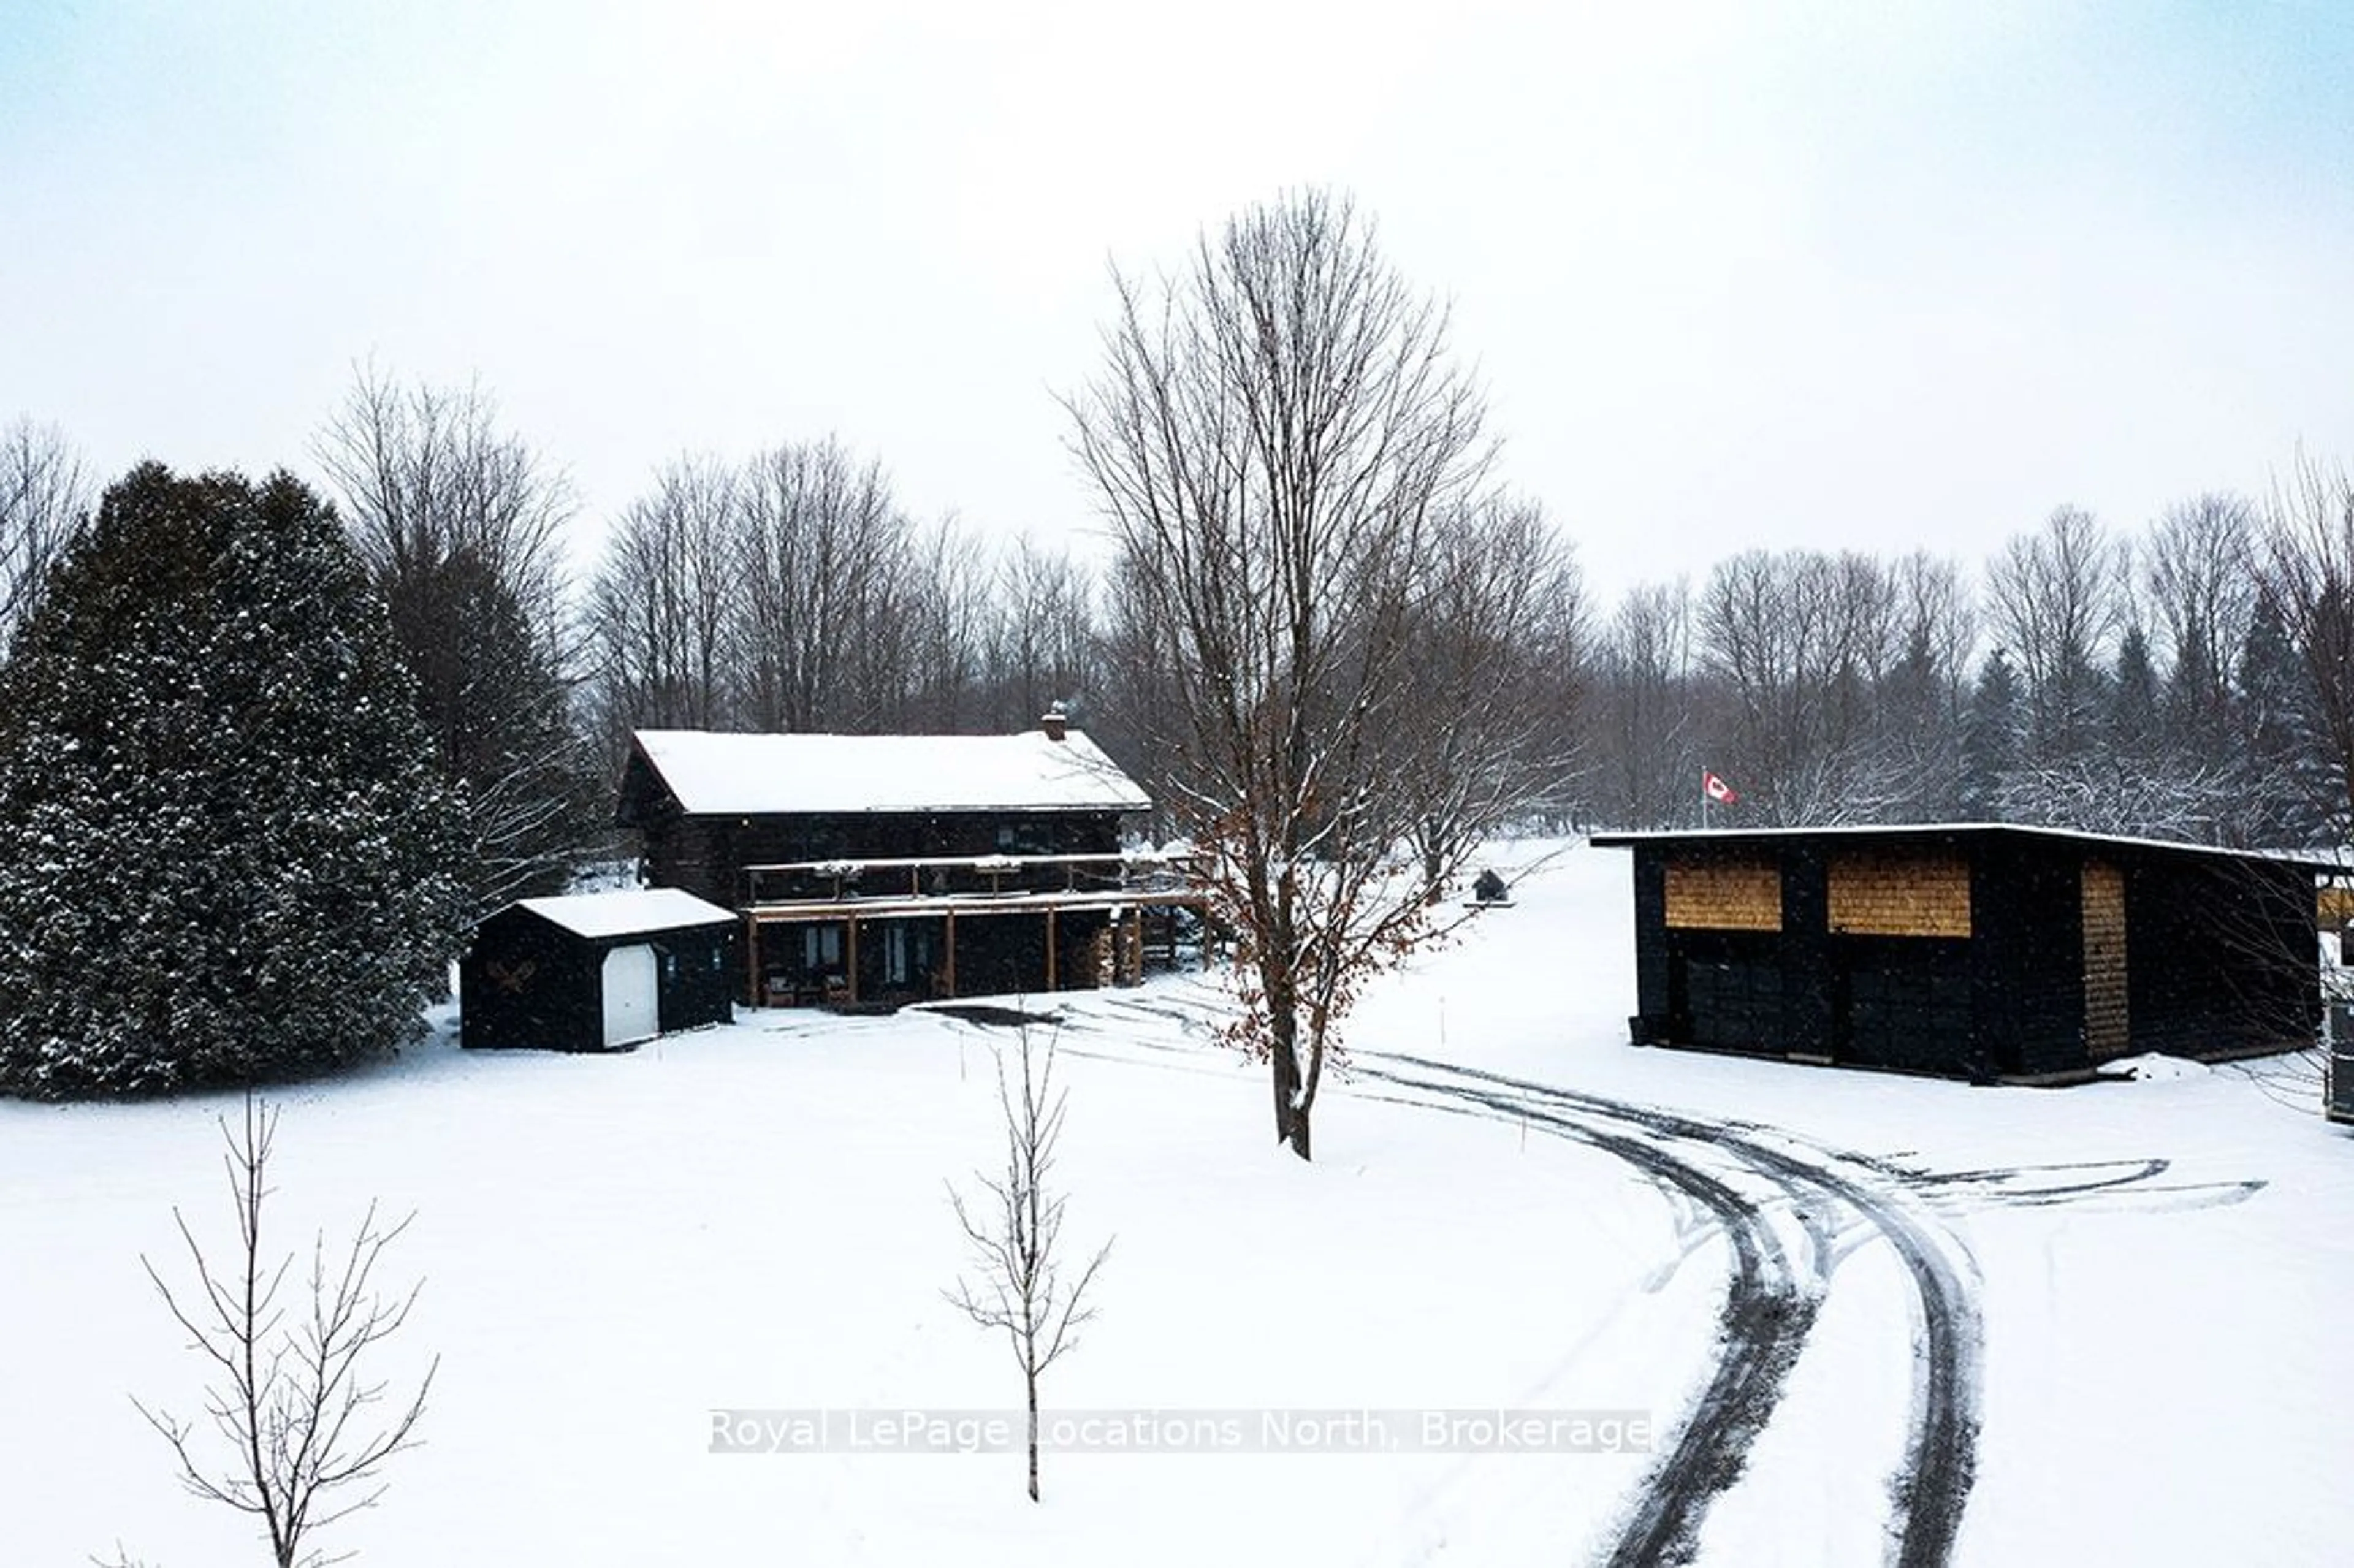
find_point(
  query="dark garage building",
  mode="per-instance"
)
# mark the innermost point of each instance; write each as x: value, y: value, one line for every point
x: 1989, y: 952
x: 593, y: 971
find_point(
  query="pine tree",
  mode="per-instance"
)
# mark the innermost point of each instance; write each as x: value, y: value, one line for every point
x: 2135, y: 723
x: 2288, y: 791
x: 223, y: 851
x: 1990, y: 738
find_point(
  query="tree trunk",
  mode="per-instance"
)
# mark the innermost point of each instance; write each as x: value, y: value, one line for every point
x: 1286, y: 1083
x: 1032, y: 1380
x: 1298, y: 1138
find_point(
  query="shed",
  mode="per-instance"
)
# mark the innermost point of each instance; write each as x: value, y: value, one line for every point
x: 1973, y: 950
x: 593, y: 971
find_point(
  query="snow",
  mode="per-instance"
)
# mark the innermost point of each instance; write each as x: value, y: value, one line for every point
x: 2320, y: 861
x: 629, y: 913
x: 756, y: 1218
x: 714, y: 773
x: 2153, y: 1067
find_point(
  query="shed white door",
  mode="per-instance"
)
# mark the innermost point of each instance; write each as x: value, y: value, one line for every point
x: 632, y: 1010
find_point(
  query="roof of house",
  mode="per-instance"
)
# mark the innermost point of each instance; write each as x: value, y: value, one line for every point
x: 714, y: 774
x: 629, y: 913
x: 2314, y: 861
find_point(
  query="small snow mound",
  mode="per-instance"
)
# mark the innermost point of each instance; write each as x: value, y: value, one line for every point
x: 2153, y: 1068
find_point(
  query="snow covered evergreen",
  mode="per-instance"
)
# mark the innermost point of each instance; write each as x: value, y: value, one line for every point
x: 223, y: 851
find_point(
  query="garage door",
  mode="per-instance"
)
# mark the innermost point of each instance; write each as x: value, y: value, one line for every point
x: 631, y: 1009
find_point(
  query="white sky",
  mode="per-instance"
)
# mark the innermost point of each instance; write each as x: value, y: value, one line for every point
x: 1822, y: 274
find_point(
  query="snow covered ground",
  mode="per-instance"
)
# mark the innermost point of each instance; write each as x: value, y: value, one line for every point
x: 756, y: 1218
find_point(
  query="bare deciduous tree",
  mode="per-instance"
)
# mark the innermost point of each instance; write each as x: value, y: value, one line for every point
x: 292, y: 1406
x: 1644, y: 709
x: 788, y: 593
x: 660, y: 610
x: 1803, y: 643
x: 1278, y: 438
x: 825, y: 555
x: 1924, y: 698
x: 2309, y: 582
x: 44, y: 491
x: 1497, y: 668
x: 1042, y: 635
x: 461, y: 524
x: 1015, y: 1229
x: 2201, y: 577
x: 2057, y: 597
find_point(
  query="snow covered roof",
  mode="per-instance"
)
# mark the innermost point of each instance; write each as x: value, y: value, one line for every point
x: 628, y: 913
x: 711, y: 773
x: 2315, y: 860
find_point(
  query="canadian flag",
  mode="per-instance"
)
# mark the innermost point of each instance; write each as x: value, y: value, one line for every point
x: 1716, y: 788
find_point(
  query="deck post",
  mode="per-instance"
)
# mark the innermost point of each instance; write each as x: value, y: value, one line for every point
x: 751, y: 960
x: 950, y: 966
x: 1050, y: 951
x: 850, y: 964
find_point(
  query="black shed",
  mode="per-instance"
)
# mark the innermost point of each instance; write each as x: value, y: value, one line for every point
x: 592, y: 971
x: 1988, y: 952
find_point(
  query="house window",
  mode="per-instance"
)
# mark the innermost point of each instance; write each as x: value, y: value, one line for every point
x: 1891, y: 893
x: 821, y: 947
x: 894, y: 955
x: 1724, y: 894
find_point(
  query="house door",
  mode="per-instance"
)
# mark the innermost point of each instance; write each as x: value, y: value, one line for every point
x: 632, y: 1007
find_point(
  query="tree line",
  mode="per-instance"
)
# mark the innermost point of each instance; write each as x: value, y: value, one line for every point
x: 1323, y: 630
x: 2189, y: 682
x: 2186, y: 680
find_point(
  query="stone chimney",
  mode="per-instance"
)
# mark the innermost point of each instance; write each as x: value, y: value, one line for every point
x: 1054, y: 722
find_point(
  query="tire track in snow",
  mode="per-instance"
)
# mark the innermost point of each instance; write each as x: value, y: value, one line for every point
x: 1769, y: 1309
x: 1934, y: 1480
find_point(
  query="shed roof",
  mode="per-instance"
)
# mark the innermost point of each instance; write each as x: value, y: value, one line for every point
x: 1948, y: 832
x: 713, y: 773
x: 628, y: 913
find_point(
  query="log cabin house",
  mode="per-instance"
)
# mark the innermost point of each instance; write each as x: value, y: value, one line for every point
x: 1986, y: 952
x: 871, y: 870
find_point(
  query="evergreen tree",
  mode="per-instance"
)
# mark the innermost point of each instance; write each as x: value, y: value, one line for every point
x: 1921, y: 741
x: 2285, y: 801
x: 2194, y: 724
x: 2135, y: 723
x: 1989, y: 738
x: 223, y: 848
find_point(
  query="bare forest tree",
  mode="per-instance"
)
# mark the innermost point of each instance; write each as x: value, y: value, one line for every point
x: 824, y: 569
x: 2200, y: 575
x: 1496, y: 662
x: 1279, y: 440
x: 1802, y: 641
x: 1042, y: 643
x: 44, y: 491
x: 792, y: 593
x: 2056, y: 599
x: 945, y: 637
x: 2308, y: 582
x: 660, y: 611
x: 1015, y: 1230
x: 1924, y: 701
x: 292, y: 1407
x: 1643, y: 709
x: 460, y: 524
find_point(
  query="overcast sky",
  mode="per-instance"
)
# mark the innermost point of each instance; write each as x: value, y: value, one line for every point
x: 1856, y: 274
